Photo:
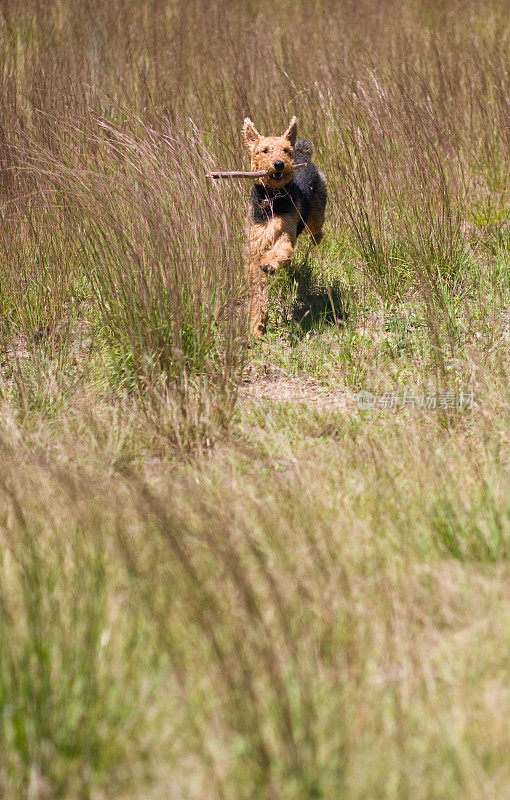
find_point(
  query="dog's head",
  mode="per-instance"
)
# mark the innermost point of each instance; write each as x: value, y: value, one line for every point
x: 271, y: 153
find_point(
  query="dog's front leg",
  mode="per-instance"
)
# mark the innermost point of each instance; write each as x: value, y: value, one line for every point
x: 270, y: 261
x: 278, y: 255
x: 279, y: 240
x: 257, y: 312
x: 270, y: 246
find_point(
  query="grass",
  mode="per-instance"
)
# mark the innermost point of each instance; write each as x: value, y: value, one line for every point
x: 219, y: 577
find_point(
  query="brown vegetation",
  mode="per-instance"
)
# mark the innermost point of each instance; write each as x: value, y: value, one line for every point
x: 205, y: 592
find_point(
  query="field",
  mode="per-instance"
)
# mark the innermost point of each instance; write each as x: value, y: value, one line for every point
x: 220, y: 577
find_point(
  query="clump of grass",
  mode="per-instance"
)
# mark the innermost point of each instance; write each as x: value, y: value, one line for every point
x: 166, y: 281
x: 402, y: 201
x: 72, y: 695
x: 162, y: 276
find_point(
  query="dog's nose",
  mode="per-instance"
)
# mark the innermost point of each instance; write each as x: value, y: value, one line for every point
x: 278, y: 164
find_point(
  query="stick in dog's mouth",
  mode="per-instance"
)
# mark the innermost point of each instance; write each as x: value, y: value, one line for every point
x: 261, y: 174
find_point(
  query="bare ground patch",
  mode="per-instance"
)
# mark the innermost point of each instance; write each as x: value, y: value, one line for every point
x: 275, y: 383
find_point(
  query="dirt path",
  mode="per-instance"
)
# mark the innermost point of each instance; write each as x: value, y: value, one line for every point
x: 277, y: 385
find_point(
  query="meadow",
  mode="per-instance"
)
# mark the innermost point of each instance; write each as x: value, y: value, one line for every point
x: 220, y: 578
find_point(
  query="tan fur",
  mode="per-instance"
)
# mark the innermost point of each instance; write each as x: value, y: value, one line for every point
x: 270, y: 245
x: 266, y: 149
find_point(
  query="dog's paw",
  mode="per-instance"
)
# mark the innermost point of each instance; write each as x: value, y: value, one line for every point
x: 269, y: 269
x: 258, y: 330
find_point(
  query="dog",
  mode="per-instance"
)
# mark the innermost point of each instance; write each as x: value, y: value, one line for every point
x: 283, y: 204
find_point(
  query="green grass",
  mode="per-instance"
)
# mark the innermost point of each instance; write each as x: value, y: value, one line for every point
x: 219, y: 578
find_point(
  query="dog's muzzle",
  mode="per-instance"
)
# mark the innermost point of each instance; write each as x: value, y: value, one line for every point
x: 278, y: 170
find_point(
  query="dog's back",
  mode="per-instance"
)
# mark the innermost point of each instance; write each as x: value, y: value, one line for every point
x: 308, y: 186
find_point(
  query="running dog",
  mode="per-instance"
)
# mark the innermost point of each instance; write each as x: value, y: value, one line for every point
x: 283, y: 204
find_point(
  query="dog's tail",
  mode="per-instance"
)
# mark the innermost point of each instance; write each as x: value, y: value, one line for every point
x: 303, y: 148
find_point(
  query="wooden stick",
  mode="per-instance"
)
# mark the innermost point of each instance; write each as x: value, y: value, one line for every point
x: 263, y: 173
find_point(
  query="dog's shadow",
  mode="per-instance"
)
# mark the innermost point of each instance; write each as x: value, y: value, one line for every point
x: 308, y: 304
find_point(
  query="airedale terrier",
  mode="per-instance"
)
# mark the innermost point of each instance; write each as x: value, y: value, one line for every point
x: 283, y: 204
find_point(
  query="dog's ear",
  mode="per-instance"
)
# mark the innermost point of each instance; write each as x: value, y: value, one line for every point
x: 291, y: 131
x: 250, y: 133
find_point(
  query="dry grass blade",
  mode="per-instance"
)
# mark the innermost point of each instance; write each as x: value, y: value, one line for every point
x: 259, y: 174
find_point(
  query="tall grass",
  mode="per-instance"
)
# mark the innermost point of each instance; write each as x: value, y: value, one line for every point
x: 335, y: 629
x: 153, y: 268
x: 319, y: 607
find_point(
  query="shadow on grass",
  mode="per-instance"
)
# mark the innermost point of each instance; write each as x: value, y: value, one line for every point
x: 308, y: 304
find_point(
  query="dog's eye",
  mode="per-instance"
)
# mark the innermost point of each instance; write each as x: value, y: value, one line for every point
x: 286, y: 150
x: 266, y: 150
